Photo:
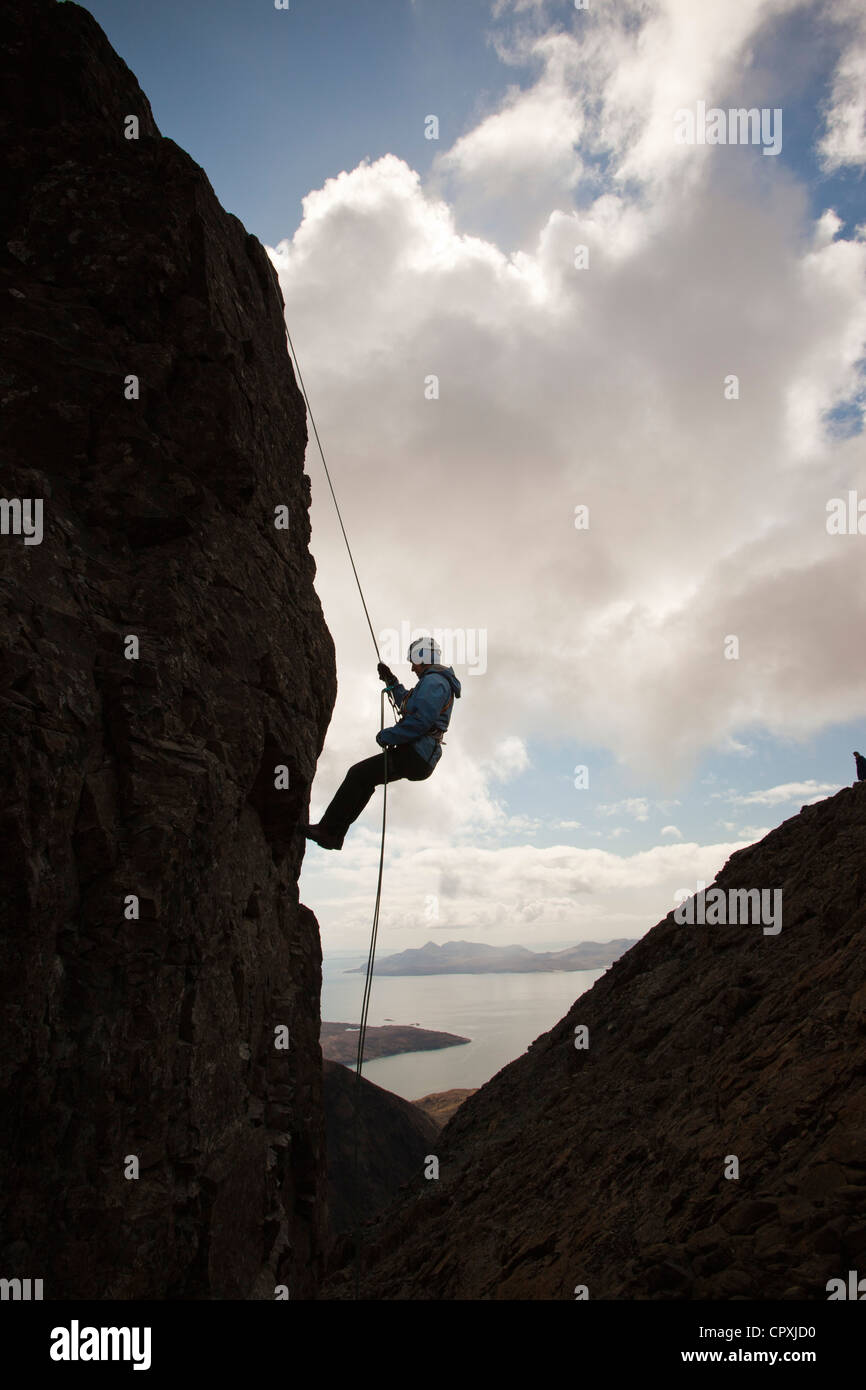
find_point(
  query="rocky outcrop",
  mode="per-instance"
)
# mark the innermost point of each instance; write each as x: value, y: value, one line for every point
x: 711, y: 1049
x: 442, y: 1105
x: 162, y: 654
x: 394, y: 1138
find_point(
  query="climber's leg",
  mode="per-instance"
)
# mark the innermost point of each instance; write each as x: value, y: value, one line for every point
x: 358, y: 786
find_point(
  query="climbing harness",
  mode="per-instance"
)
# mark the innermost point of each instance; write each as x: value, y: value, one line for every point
x: 362, y: 1034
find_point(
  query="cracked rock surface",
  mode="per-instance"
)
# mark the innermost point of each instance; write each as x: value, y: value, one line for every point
x: 152, y: 1037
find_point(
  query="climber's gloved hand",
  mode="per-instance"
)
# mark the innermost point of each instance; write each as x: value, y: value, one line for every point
x: 386, y: 674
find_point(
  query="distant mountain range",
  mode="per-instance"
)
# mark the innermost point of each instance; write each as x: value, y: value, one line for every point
x: 473, y: 958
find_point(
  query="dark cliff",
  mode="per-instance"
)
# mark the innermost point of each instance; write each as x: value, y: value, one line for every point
x: 152, y: 1037
x: 605, y: 1167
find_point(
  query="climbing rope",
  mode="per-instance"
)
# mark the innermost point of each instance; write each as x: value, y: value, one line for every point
x: 368, y: 983
x: 331, y: 486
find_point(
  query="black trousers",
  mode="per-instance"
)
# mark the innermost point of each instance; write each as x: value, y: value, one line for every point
x: 361, y: 781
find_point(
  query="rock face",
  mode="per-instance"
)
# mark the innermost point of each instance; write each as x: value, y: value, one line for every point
x: 394, y: 1137
x: 149, y: 1042
x: 606, y: 1167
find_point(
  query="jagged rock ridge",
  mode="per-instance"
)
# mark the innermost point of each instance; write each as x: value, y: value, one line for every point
x: 605, y: 1167
x: 151, y: 1038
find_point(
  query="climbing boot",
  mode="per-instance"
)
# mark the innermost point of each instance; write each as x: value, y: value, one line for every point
x: 325, y: 838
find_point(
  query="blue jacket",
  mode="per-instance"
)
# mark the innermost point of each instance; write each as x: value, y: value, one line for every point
x: 424, y: 709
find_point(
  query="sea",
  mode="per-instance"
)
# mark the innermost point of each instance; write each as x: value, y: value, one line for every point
x: 501, y: 1014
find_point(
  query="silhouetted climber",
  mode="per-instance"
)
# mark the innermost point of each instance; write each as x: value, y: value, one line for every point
x: 413, y: 744
x: 861, y: 767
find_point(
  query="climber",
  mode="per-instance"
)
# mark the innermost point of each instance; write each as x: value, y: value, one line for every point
x: 860, y: 764
x: 412, y: 746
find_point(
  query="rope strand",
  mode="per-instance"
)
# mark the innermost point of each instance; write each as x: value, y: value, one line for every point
x: 331, y: 486
x: 362, y: 1036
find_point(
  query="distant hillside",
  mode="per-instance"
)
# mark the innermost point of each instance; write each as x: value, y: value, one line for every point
x: 442, y: 1104
x: 474, y: 958
x: 340, y: 1041
x: 709, y: 1141
x: 393, y: 1138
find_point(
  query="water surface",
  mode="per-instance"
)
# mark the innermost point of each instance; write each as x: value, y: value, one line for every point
x: 502, y: 1014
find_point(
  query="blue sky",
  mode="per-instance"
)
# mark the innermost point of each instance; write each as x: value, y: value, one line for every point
x: 271, y: 104
x: 561, y: 387
x: 320, y: 87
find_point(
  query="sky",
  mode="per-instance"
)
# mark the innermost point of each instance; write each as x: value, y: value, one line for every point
x: 591, y: 391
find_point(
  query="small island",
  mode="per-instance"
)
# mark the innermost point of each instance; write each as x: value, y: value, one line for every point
x: 340, y: 1041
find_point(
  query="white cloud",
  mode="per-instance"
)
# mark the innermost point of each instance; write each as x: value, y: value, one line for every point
x: 672, y: 831
x: 636, y: 806
x: 641, y: 435
x: 498, y: 894
x: 510, y: 758
x: 535, y: 129
x: 843, y: 144
x: 634, y: 63
x: 807, y: 792
x: 602, y: 387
